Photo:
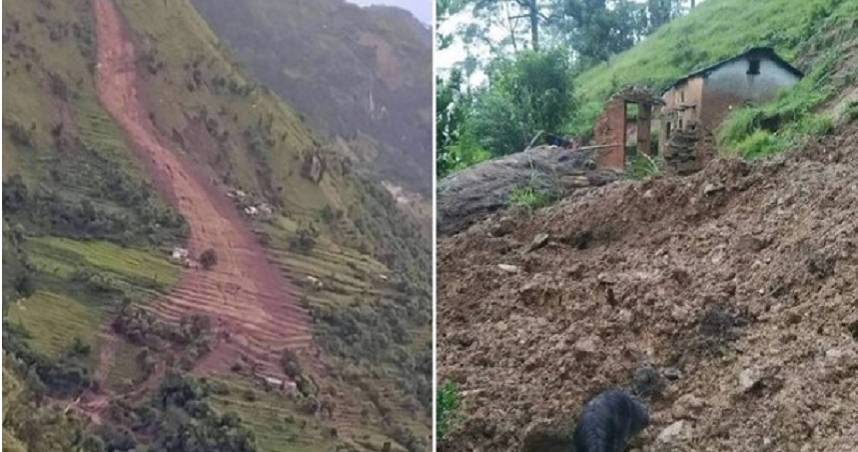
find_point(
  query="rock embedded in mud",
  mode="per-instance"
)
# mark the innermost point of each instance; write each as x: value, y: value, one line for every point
x: 509, y: 268
x: 688, y: 406
x: 712, y: 188
x: 749, y: 378
x: 587, y: 346
x: 538, y: 242
x: 676, y: 432
x: 553, y: 437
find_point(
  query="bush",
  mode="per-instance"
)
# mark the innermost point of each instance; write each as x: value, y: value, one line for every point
x: 208, y: 259
x: 14, y: 194
x: 642, y: 166
x: 303, y: 241
x: 291, y: 364
x: 530, y: 93
x: 20, y: 135
x: 761, y: 144
x: 447, y: 404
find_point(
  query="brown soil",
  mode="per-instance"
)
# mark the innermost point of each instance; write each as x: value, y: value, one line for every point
x: 727, y: 300
x: 250, y: 303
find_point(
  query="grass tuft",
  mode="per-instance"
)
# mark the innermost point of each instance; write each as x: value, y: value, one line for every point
x: 530, y: 197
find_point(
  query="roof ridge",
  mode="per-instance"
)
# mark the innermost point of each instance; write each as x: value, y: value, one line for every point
x: 769, y: 51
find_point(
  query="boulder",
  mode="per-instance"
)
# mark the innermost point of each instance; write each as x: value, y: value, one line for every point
x: 470, y: 195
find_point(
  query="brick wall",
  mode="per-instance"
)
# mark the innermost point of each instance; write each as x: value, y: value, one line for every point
x: 610, y: 130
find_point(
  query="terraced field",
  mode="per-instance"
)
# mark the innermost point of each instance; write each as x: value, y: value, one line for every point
x: 333, y: 278
x: 271, y: 416
x: 55, y: 320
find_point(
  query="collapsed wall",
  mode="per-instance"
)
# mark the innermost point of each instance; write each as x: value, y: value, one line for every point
x: 688, y: 150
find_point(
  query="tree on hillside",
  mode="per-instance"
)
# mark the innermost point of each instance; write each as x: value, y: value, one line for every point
x: 529, y: 93
x: 521, y: 20
x: 208, y: 258
x: 597, y: 29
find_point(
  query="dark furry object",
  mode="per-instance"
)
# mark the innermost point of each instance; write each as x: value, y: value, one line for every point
x: 609, y: 421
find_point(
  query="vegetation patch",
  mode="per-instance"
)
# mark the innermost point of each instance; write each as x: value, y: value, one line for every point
x: 641, y: 166
x: 530, y: 197
x: 64, y: 257
x: 275, y: 420
x: 714, y: 31
x: 54, y: 322
x: 447, y: 405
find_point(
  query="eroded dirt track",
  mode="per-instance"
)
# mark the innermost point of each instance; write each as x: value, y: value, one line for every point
x: 244, y: 295
x: 728, y: 299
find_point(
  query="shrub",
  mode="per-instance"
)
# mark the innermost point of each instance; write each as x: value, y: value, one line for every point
x: 761, y: 144
x: 303, y: 241
x: 447, y: 404
x: 14, y: 194
x: 291, y: 364
x: 208, y: 259
x: 530, y: 93
x: 642, y: 166
x: 20, y: 135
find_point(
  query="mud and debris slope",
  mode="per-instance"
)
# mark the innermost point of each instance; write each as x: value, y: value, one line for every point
x: 728, y: 300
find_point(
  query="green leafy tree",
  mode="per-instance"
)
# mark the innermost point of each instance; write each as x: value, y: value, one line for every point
x: 530, y: 93
x: 598, y: 28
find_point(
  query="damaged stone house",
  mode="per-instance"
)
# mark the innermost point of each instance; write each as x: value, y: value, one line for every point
x: 704, y: 98
x: 690, y: 110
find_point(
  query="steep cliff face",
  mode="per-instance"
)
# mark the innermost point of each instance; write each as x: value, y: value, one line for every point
x: 361, y: 74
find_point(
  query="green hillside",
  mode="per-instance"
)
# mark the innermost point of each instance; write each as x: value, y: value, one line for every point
x: 360, y: 74
x: 86, y: 234
x: 818, y: 36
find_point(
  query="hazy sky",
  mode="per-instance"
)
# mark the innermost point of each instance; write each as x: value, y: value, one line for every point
x: 422, y: 9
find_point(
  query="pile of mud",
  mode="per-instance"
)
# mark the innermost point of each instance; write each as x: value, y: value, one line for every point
x: 727, y: 300
x: 470, y: 195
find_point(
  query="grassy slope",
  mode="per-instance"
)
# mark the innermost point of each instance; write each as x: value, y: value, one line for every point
x: 297, y: 49
x: 48, y: 58
x: 176, y: 36
x: 716, y: 30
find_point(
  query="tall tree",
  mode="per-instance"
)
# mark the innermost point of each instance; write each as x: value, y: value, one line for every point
x: 515, y: 16
x: 599, y: 28
x: 660, y: 12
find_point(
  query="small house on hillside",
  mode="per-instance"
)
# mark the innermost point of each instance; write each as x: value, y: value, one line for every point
x: 705, y: 97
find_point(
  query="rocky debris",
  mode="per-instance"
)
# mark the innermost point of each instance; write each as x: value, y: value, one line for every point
x: 675, y: 432
x: 509, y: 268
x: 587, y: 346
x: 742, y: 301
x: 688, y: 406
x: 538, y: 242
x: 548, y: 437
x: 470, y: 195
x: 749, y: 379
